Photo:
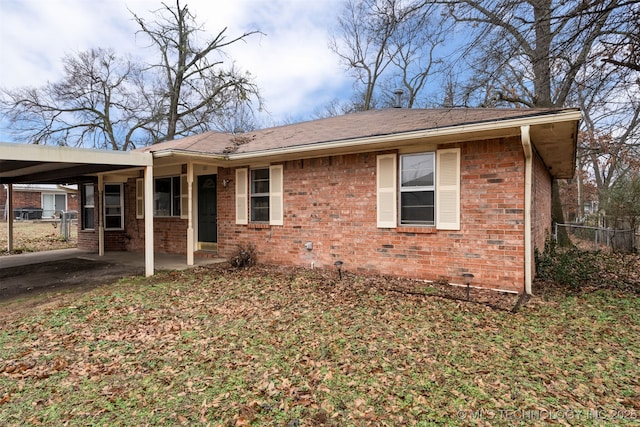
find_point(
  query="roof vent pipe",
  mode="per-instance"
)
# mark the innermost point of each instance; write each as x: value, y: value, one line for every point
x: 398, y: 101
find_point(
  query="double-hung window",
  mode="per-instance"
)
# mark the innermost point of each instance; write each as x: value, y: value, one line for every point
x: 167, y: 196
x: 88, y: 206
x: 259, y: 195
x: 113, y: 203
x: 419, y: 189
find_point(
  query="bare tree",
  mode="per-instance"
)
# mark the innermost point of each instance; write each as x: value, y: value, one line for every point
x: 363, y: 45
x: 415, y: 42
x: 622, y: 46
x: 534, y: 47
x: 192, y: 82
x: 106, y: 101
x: 387, y: 44
x: 531, y: 53
x: 96, y: 103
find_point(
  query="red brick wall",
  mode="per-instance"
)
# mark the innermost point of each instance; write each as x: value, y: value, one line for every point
x: 541, y: 208
x: 88, y: 239
x: 27, y: 199
x: 331, y: 202
x: 169, y: 234
x: 3, y: 199
x: 33, y: 199
x: 73, y: 201
x: 114, y: 240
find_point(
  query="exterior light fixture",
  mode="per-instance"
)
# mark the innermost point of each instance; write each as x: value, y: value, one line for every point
x: 225, y: 182
x: 339, y: 265
x: 467, y: 281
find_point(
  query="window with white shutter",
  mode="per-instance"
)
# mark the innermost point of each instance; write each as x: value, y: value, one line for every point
x: 184, y: 197
x: 448, y: 189
x: 139, y: 198
x: 419, y: 189
x: 386, y: 191
x: 276, y: 208
x: 241, y: 196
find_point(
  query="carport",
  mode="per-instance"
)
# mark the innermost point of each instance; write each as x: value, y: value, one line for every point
x: 38, y: 164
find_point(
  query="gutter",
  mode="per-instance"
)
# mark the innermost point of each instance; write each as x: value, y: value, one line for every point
x: 528, y: 184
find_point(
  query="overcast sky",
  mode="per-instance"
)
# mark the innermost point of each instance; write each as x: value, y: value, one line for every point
x: 293, y: 67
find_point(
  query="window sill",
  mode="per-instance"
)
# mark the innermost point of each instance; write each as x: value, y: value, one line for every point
x: 417, y: 230
x: 258, y: 225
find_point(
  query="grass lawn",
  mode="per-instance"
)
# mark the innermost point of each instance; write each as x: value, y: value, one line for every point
x: 292, y: 347
x: 30, y: 236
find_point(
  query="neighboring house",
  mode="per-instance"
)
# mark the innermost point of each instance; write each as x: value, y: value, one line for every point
x: 39, y: 201
x: 429, y: 194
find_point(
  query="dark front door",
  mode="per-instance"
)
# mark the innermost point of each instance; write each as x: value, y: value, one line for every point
x: 207, y: 209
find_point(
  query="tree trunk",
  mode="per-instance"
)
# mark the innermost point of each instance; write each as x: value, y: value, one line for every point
x: 557, y: 216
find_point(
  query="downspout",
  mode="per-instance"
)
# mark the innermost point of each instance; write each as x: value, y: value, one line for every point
x: 528, y: 184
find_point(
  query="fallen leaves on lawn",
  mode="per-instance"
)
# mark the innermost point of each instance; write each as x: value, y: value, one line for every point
x: 284, y: 346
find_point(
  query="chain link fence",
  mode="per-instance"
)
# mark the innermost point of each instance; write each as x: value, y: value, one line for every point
x: 598, y: 238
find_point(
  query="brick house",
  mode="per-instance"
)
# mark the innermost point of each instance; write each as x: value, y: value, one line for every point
x: 424, y: 193
x: 430, y: 194
x: 36, y: 201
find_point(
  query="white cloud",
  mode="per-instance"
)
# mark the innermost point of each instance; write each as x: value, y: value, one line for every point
x: 291, y: 62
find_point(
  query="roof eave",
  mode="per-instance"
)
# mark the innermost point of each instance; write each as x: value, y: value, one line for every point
x: 426, y: 134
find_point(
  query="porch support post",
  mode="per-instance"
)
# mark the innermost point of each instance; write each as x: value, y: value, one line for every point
x: 190, y: 231
x: 148, y: 221
x: 528, y: 184
x: 9, y: 215
x: 100, y: 215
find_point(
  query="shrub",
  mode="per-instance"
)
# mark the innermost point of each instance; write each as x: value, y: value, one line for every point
x: 243, y: 256
x: 577, y: 269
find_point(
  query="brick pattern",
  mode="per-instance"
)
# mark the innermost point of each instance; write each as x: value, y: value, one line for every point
x: 114, y: 240
x: 541, y: 207
x: 32, y: 199
x: 27, y: 199
x: 169, y: 234
x: 331, y: 202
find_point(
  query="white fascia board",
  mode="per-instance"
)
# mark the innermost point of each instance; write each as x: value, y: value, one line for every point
x: 45, y: 153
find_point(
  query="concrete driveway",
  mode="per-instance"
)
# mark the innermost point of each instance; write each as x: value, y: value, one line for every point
x: 40, y: 271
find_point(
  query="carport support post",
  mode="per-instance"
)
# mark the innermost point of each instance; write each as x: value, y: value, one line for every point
x: 9, y: 214
x: 190, y: 237
x: 100, y: 216
x: 148, y: 221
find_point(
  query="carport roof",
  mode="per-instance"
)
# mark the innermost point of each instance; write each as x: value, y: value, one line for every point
x: 28, y: 163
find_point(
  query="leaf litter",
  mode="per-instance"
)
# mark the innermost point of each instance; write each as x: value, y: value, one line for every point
x: 271, y: 345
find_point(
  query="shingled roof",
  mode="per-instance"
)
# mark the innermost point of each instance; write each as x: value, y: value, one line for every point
x: 350, y: 127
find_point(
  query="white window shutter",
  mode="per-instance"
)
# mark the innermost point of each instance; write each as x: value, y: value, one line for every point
x: 184, y: 197
x: 139, y: 198
x: 387, y: 199
x: 448, y: 189
x: 242, y: 210
x: 276, y: 205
